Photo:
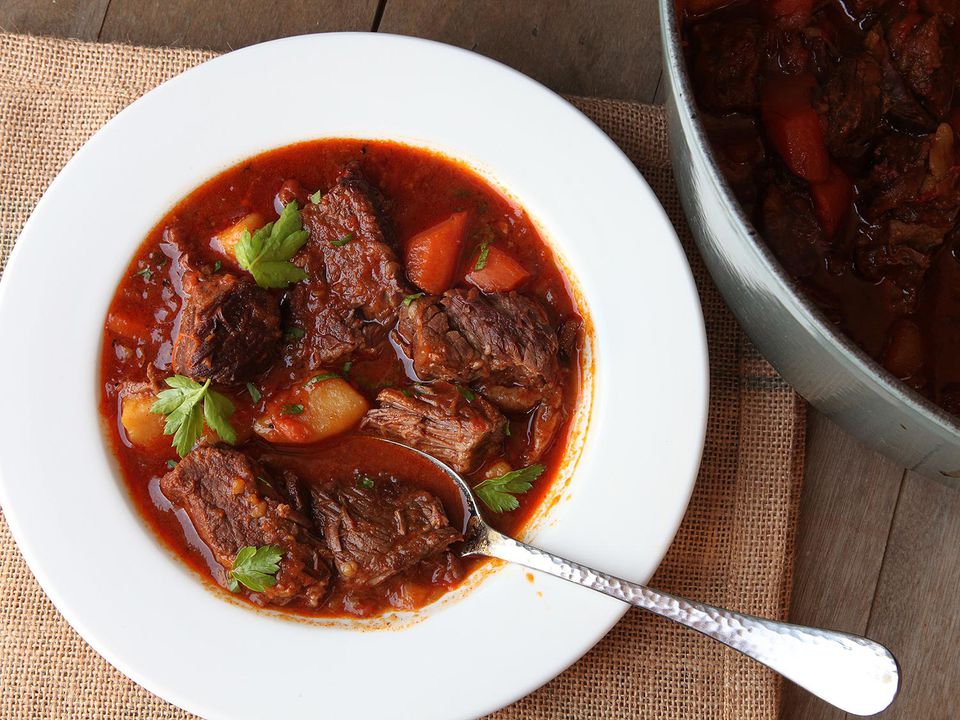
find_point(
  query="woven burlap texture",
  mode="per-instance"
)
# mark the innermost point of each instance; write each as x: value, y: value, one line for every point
x: 734, y: 548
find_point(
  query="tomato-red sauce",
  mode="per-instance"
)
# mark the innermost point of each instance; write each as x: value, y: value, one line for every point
x: 423, y: 188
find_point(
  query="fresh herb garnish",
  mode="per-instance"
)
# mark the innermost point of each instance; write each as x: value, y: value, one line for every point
x: 498, y: 493
x: 146, y: 273
x: 506, y: 428
x: 171, y: 464
x: 364, y: 482
x: 410, y: 298
x: 264, y: 481
x: 406, y: 392
x: 254, y: 392
x: 346, y: 366
x: 266, y: 253
x: 342, y: 241
x: 468, y: 394
x: 293, y: 334
x: 482, y: 256
x: 187, y: 404
x: 315, y: 198
x: 294, y: 409
x: 320, y: 378
x: 255, y: 568
x: 217, y: 265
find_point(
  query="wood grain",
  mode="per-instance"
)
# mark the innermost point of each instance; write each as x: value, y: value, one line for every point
x: 916, y: 612
x: 228, y: 24
x: 607, y: 49
x: 79, y: 19
x: 848, y: 501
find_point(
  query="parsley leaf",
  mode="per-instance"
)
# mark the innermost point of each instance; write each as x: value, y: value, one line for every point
x: 482, y: 256
x: 216, y: 266
x: 364, y: 482
x: 315, y: 198
x: 255, y: 568
x: 410, y: 298
x: 468, y: 394
x: 498, y: 493
x: 295, y: 409
x: 266, y: 253
x: 293, y: 334
x: 187, y: 404
x: 342, y: 241
x: 346, y: 366
x: 171, y: 464
x: 254, y: 392
x: 146, y: 273
x: 320, y: 378
x: 506, y: 428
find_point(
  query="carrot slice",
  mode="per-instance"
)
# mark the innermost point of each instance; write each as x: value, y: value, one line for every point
x: 832, y: 200
x: 432, y: 255
x: 499, y: 271
x: 794, y: 127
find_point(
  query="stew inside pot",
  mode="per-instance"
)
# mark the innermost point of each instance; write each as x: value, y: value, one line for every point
x: 835, y: 122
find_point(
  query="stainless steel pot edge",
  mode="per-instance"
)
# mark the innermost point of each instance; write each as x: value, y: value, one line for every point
x: 823, y: 365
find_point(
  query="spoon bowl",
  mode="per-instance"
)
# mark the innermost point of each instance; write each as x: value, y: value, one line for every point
x: 852, y: 673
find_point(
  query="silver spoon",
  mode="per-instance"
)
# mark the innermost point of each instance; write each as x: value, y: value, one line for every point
x: 850, y: 672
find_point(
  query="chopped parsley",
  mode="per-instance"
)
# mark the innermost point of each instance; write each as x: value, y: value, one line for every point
x: 499, y: 493
x: 171, y: 464
x: 364, y: 482
x: 146, y: 273
x: 254, y: 392
x: 506, y: 428
x: 316, y: 197
x: 293, y: 334
x: 187, y: 405
x: 217, y: 265
x: 266, y: 253
x: 295, y: 409
x: 320, y: 378
x: 255, y: 568
x: 346, y: 366
x: 410, y: 298
x: 342, y: 241
x: 468, y: 394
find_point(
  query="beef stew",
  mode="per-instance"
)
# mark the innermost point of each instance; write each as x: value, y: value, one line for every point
x: 295, y: 309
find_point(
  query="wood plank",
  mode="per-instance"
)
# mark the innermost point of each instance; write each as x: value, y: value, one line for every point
x: 79, y: 19
x: 917, y: 608
x: 606, y: 49
x: 846, y: 511
x: 228, y: 24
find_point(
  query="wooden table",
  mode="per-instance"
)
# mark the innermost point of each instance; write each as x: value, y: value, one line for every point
x: 878, y: 546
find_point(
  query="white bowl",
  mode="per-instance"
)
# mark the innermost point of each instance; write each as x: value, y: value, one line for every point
x: 139, y: 606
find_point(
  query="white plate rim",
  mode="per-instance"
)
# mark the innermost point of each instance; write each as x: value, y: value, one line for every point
x: 690, y: 364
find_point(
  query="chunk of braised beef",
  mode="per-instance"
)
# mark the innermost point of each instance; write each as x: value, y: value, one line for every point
x: 231, y: 504
x: 926, y: 58
x: 901, y: 107
x: 379, y: 531
x: 457, y: 427
x: 354, y: 281
x: 229, y: 329
x: 791, y: 228
x: 726, y: 68
x: 855, y: 106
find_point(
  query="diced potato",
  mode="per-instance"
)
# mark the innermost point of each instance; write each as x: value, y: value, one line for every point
x: 229, y: 237
x: 144, y: 428
x: 330, y: 407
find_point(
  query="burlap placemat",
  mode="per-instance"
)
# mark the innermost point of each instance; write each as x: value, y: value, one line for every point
x: 734, y: 549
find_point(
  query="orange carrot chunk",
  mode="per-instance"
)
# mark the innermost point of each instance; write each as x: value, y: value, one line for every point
x: 432, y: 255
x: 498, y: 271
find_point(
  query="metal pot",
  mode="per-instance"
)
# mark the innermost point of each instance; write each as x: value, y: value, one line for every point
x: 825, y: 367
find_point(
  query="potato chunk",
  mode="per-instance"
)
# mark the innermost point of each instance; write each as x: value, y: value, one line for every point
x: 311, y: 412
x: 229, y: 237
x: 144, y: 428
